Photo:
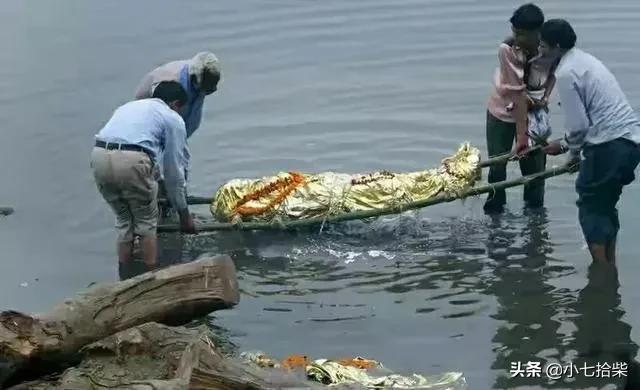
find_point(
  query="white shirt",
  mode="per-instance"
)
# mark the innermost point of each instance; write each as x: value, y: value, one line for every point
x: 596, y: 109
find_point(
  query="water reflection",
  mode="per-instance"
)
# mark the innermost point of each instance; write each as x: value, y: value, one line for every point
x: 526, y: 301
x: 431, y: 275
x: 537, y: 318
x: 355, y: 282
x: 601, y: 335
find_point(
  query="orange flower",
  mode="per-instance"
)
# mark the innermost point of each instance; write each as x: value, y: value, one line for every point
x: 294, y: 361
x: 284, y: 186
x: 358, y: 362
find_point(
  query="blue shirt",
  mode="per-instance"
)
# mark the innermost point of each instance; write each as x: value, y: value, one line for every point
x: 153, y: 125
x: 192, y: 112
x: 596, y: 109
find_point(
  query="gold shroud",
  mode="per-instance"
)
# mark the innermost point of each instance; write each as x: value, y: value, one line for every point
x: 327, y: 194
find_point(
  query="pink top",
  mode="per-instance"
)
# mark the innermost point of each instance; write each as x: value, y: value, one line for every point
x: 508, y: 80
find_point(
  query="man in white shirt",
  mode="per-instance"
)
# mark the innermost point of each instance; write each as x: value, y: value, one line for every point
x: 125, y: 163
x: 601, y: 124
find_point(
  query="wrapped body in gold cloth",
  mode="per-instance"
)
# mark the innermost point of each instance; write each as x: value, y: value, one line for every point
x: 294, y: 196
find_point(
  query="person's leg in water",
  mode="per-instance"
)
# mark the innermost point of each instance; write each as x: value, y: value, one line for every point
x: 141, y: 193
x: 107, y: 175
x: 145, y: 225
x: 500, y: 136
x: 533, y: 193
x: 598, y: 220
x: 606, y: 169
x: 628, y: 176
x: 125, y: 251
x: 611, y: 244
x: 594, y: 177
x: 149, y: 250
x: 124, y: 225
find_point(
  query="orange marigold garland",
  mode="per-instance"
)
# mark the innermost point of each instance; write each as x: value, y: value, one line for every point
x: 284, y: 186
x: 358, y: 362
x: 295, y: 361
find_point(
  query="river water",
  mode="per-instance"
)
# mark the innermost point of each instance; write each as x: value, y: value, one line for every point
x: 350, y: 86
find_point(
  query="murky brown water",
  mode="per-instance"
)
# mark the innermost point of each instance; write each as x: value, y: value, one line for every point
x: 334, y: 85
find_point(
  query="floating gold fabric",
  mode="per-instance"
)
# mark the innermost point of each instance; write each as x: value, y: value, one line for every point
x: 330, y: 372
x: 328, y: 193
x: 366, y: 373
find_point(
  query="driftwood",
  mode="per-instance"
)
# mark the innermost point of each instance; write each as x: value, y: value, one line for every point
x: 33, y: 345
x: 443, y: 198
x: 154, y: 356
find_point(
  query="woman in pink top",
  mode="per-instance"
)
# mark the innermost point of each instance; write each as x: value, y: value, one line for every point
x: 522, y: 85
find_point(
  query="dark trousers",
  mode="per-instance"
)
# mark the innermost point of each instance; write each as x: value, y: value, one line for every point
x: 604, y: 171
x: 500, y: 138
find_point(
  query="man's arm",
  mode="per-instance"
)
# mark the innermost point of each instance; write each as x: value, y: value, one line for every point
x: 192, y: 122
x: 144, y: 88
x: 512, y: 74
x: 577, y: 121
x: 174, y: 160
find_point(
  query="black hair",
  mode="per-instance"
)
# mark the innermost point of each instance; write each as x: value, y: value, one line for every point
x: 169, y: 91
x: 558, y: 32
x: 527, y: 17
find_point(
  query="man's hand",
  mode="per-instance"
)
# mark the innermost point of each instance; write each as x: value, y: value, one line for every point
x: 522, y: 144
x: 186, y: 222
x: 531, y: 103
x: 542, y: 103
x: 554, y: 148
x: 573, y: 162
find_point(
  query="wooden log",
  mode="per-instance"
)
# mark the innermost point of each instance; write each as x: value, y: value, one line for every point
x: 154, y: 356
x: 145, y: 356
x: 175, y: 295
x: 443, y: 198
x: 209, y: 370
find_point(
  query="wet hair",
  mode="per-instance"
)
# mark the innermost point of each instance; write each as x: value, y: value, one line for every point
x: 170, y: 91
x: 527, y: 17
x: 558, y: 32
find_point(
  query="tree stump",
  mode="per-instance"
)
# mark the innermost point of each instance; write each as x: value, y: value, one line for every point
x: 34, y: 345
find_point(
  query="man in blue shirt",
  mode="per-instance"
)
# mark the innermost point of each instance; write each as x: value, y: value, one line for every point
x: 199, y: 76
x: 125, y: 167
x: 601, y: 124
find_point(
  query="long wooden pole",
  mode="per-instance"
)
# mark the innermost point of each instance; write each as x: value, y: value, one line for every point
x: 501, y: 159
x: 504, y: 158
x: 443, y: 198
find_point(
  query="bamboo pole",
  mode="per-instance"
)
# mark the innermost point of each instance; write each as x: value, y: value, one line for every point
x: 443, y: 198
x: 504, y: 158
x: 501, y: 159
